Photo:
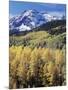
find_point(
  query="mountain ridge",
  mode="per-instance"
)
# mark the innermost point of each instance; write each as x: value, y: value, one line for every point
x: 30, y: 19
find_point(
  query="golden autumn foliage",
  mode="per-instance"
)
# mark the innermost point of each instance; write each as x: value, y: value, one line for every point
x: 47, y: 54
x: 59, y: 57
x: 36, y: 67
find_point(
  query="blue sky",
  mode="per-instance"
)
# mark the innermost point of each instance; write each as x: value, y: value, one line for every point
x: 16, y: 7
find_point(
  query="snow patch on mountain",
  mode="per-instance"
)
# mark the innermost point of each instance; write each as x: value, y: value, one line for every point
x: 24, y: 27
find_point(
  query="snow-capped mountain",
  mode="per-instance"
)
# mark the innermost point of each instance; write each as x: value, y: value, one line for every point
x: 30, y: 19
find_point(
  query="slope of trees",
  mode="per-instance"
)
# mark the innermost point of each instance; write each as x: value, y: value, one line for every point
x: 37, y: 67
x: 39, y: 39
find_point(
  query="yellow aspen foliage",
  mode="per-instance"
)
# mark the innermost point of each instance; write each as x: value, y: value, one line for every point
x: 12, y: 53
x: 59, y: 57
x: 22, y: 71
x: 45, y: 69
x: 50, y: 67
x: 36, y: 67
x: 13, y: 68
x: 25, y: 55
x: 35, y: 57
x: 47, y: 54
x: 35, y: 54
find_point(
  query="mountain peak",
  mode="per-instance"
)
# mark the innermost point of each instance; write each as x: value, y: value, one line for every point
x: 30, y: 19
x: 29, y: 12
